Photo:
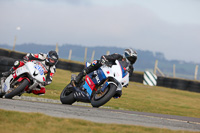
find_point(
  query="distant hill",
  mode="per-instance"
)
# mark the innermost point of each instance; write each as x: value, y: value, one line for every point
x: 146, y: 59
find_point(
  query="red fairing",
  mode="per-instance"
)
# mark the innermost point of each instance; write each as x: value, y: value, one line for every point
x: 21, y: 63
x: 90, y: 83
x: 14, y: 75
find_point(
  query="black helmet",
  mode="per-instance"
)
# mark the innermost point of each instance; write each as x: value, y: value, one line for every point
x: 130, y: 55
x: 52, y: 58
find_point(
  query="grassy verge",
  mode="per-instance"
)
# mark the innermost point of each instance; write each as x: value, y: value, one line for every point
x: 138, y: 97
x: 17, y: 122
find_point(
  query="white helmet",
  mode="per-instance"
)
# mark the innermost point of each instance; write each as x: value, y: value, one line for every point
x: 130, y: 55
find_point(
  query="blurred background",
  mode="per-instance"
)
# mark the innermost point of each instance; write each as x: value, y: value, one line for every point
x: 159, y: 30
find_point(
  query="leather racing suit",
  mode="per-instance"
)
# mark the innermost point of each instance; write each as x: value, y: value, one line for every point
x: 48, y: 70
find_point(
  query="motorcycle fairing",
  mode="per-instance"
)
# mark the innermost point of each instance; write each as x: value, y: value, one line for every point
x: 117, y: 72
x: 9, y: 79
x: 6, y: 84
x: 124, y: 73
x: 35, y: 71
x: 89, y: 85
x: 100, y: 75
x: 92, y: 79
x: 97, y: 76
x: 30, y: 68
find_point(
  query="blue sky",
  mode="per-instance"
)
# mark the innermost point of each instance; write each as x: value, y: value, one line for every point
x: 168, y: 26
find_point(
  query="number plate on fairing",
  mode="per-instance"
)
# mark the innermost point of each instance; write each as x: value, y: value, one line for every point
x: 40, y: 69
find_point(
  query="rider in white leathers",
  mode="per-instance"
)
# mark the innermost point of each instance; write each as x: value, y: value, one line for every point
x: 49, y: 60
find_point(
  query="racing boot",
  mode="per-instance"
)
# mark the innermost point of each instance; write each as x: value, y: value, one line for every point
x: 40, y: 91
x: 80, y: 77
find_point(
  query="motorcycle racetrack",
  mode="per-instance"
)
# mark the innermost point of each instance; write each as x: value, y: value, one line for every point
x: 103, y: 115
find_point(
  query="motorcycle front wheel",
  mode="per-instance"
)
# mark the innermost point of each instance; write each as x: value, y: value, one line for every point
x: 67, y: 96
x: 18, y: 88
x: 100, y: 99
x: 2, y: 94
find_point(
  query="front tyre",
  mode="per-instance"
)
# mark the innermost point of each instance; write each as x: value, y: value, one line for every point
x: 2, y: 80
x: 15, y: 91
x: 100, y: 99
x: 67, y: 96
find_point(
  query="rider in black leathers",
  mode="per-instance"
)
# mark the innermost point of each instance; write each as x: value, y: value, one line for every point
x: 130, y: 56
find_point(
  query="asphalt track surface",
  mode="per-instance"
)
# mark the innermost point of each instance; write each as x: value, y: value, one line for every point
x: 102, y: 115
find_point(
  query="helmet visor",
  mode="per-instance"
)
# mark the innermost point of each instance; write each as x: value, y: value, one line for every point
x: 52, y: 60
x: 132, y: 59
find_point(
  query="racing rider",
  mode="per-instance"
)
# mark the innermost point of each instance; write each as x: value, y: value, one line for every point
x: 130, y: 56
x: 49, y: 60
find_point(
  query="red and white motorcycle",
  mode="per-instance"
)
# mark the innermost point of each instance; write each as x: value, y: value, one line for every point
x: 24, y: 79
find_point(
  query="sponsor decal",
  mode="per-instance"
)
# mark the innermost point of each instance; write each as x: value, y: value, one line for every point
x: 38, y: 67
x: 88, y: 80
x: 97, y: 77
x: 5, y: 86
x: 35, y: 74
x: 94, y: 62
x: 45, y: 70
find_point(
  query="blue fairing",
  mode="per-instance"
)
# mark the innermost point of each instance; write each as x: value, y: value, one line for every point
x: 124, y: 73
x: 87, y: 87
x: 100, y: 74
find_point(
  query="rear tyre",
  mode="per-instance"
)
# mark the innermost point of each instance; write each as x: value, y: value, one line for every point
x: 108, y: 93
x: 21, y: 86
x: 67, y: 96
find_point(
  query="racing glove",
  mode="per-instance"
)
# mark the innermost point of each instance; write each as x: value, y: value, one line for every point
x: 26, y: 58
x: 46, y: 83
x: 104, y: 61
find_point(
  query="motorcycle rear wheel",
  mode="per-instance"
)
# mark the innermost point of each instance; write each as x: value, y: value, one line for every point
x: 108, y: 93
x: 21, y: 86
x: 67, y: 96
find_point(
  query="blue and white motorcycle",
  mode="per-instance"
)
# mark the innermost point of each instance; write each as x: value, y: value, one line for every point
x: 99, y: 86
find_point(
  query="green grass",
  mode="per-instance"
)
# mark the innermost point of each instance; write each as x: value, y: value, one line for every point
x: 158, y: 100
x: 138, y: 97
x: 18, y: 122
